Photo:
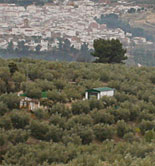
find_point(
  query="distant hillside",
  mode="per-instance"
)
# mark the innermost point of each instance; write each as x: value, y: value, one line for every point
x: 147, y: 2
x: 27, y: 2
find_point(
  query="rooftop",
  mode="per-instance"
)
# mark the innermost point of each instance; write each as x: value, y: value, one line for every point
x: 43, y: 95
x: 100, y: 89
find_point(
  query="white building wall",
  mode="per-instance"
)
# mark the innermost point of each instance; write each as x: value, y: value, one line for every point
x: 107, y: 93
x: 98, y: 96
x: 86, y: 95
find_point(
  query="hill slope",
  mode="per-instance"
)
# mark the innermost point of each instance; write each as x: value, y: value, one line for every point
x: 112, y: 131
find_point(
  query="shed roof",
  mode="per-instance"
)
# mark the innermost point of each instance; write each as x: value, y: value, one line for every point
x: 43, y: 95
x: 101, y: 89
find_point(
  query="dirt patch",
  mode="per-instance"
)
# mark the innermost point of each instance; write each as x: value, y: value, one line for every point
x: 151, y: 18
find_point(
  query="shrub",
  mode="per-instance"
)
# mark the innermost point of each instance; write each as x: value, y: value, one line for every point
x: 129, y: 137
x: 56, y: 96
x: 43, y: 131
x: 3, y: 137
x: 94, y: 103
x: 40, y: 113
x: 152, y: 78
x: 121, y: 114
x: 11, y: 100
x: 102, y: 116
x: 82, y: 119
x: 145, y: 115
x: 80, y: 107
x: 105, y: 77
x: 19, y: 119
x: 103, y: 132
x: 149, y: 135
x: 17, y: 135
x: 55, y: 133
x: 121, y: 128
x: 146, y: 125
x: 39, y: 130
x: 73, y: 92
x: 5, y: 123
x: 3, y: 108
x: 140, y: 150
x: 121, y: 97
x: 152, y: 99
x: 71, y: 138
x: 34, y: 92
x: 60, y: 84
x: 134, y: 112
x: 108, y: 101
x: 57, y: 119
x: 86, y: 133
x: 60, y: 109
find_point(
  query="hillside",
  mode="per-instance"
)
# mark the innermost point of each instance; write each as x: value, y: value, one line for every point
x: 70, y: 131
x: 144, y: 2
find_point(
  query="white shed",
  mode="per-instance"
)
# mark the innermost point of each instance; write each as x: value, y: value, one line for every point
x: 99, y: 92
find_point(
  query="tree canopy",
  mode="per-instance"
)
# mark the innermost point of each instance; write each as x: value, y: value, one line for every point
x: 109, y: 51
x: 69, y: 131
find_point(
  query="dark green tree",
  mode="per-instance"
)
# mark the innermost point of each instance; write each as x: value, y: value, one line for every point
x: 22, y: 47
x: 109, y: 51
x: 13, y: 67
x: 38, y: 48
x: 11, y: 100
x: 10, y: 47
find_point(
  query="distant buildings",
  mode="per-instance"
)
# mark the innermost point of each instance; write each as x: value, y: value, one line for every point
x: 30, y: 104
x: 74, y: 21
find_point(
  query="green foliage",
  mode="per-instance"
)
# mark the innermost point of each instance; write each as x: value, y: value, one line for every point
x: 11, y: 100
x: 146, y: 125
x: 41, y: 114
x: 33, y: 91
x: 72, y: 138
x: 102, y: 116
x: 12, y: 67
x: 55, y: 133
x: 5, y: 122
x: 70, y: 131
x: 19, y: 120
x: 121, y: 114
x: 54, y: 95
x: 108, y: 101
x: 60, y: 109
x: 3, y: 108
x: 57, y: 119
x: 103, y: 132
x: 82, y: 119
x: 152, y: 78
x: 3, y: 137
x: 16, y: 136
x: 43, y: 131
x: 39, y: 130
x: 129, y: 137
x: 80, y: 107
x: 105, y: 77
x: 121, y: 128
x: 109, y: 51
x: 94, y: 103
x: 86, y: 133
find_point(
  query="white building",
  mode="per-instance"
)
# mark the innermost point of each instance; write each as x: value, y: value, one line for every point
x: 99, y: 92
